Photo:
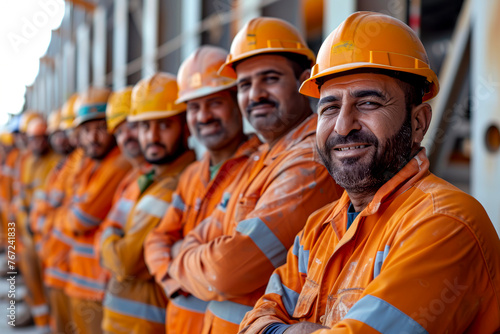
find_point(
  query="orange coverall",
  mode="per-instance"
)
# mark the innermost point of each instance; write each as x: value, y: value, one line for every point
x: 34, y: 179
x: 195, y: 199
x: 134, y: 302
x: 229, y: 258
x: 56, y: 242
x: 91, y: 203
x: 422, y: 257
x: 6, y: 190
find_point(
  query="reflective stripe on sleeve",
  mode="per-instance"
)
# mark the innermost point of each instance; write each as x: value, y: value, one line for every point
x: 152, y: 206
x: 265, y: 239
x: 85, y: 218
x: 229, y: 311
x: 134, y: 309
x: 301, y: 254
x: 288, y: 296
x: 190, y: 303
x: 383, y: 317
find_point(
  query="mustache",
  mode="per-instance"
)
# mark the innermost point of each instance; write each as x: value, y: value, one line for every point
x: 260, y: 103
x: 156, y: 144
x: 201, y: 124
x: 351, y: 137
x: 131, y: 140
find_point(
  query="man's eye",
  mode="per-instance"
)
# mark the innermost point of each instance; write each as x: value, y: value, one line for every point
x: 329, y: 110
x: 271, y: 79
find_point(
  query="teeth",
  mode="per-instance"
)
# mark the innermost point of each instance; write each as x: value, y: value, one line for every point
x: 351, y: 148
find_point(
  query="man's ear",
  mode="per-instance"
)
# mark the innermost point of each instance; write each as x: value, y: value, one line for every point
x: 421, y: 119
x: 304, y: 76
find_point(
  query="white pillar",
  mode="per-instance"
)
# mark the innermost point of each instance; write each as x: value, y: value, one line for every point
x: 191, y: 16
x: 82, y: 57
x: 99, y: 48
x: 485, y: 94
x: 120, y: 34
x: 335, y: 12
x: 149, y: 37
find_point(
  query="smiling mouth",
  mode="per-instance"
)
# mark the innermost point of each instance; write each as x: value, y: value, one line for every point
x: 350, y: 148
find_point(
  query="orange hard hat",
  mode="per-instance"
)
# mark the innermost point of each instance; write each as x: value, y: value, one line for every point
x: 54, y: 121
x: 68, y: 113
x: 91, y: 105
x: 371, y: 40
x: 198, y: 76
x: 264, y: 35
x: 26, y: 118
x: 155, y: 97
x: 118, y: 108
x: 36, y: 127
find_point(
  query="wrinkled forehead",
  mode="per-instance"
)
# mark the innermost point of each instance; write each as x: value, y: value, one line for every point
x: 354, y: 85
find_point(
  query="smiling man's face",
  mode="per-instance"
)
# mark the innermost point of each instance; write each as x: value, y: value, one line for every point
x: 364, y: 132
x: 268, y: 95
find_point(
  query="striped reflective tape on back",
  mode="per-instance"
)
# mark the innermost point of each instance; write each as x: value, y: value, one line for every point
x: 228, y: 311
x: 152, y: 206
x: 55, y: 272
x: 383, y: 317
x: 265, y: 239
x: 190, y: 303
x: 301, y: 254
x: 135, y: 309
x: 288, y: 296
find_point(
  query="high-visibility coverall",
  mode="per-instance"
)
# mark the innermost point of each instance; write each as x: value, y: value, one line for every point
x: 56, y: 242
x: 6, y: 190
x: 91, y: 203
x: 134, y: 302
x: 229, y: 258
x: 422, y: 257
x: 35, y: 171
x: 195, y: 199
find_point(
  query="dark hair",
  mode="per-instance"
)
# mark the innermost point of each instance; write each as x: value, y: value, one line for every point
x: 414, y: 86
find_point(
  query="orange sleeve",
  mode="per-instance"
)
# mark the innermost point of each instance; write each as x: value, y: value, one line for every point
x: 238, y: 264
x: 161, y: 239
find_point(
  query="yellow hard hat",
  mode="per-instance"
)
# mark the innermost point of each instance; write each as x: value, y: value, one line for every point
x: 118, y: 108
x: 264, y: 35
x: 371, y: 40
x: 91, y: 105
x: 36, y: 127
x: 7, y: 138
x: 198, y: 75
x: 155, y: 97
x: 54, y: 121
x: 68, y: 113
x: 26, y: 118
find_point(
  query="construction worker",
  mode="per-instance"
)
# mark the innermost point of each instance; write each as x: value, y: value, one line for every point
x: 36, y: 169
x: 57, y: 238
x: 93, y: 196
x: 134, y: 302
x: 215, y: 120
x: 230, y: 256
x: 402, y: 251
x: 8, y: 150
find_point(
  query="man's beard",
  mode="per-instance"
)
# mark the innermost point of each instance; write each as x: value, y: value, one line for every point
x: 357, y: 177
x: 169, y: 157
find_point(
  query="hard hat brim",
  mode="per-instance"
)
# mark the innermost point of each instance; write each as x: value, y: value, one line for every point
x: 151, y: 115
x: 310, y: 88
x: 203, y: 91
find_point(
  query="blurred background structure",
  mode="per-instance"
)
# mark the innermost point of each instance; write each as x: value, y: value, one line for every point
x: 115, y: 43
